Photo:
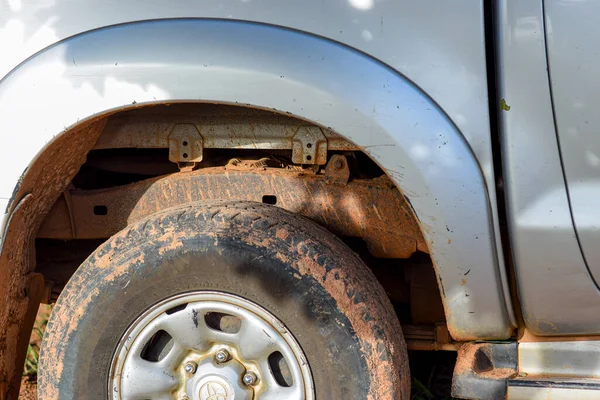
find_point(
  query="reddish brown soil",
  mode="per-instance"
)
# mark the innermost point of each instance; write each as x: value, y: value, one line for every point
x: 28, y: 389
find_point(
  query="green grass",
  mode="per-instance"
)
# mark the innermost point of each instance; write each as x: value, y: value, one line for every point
x: 431, y: 374
x: 32, y: 358
x: 420, y: 391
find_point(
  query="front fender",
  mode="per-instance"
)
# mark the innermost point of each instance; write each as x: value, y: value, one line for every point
x: 235, y: 62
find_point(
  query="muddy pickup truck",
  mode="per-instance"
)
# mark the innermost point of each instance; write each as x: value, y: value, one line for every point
x: 264, y: 199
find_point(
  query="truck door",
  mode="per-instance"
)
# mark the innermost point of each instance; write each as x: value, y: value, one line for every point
x: 573, y: 53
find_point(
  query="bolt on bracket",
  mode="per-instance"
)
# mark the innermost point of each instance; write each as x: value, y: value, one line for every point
x: 337, y: 171
x: 309, y: 146
x: 185, y: 146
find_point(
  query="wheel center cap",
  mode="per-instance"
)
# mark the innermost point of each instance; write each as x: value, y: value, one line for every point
x: 214, y: 387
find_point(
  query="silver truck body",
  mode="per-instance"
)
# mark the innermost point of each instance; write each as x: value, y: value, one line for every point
x: 405, y: 81
x: 374, y: 83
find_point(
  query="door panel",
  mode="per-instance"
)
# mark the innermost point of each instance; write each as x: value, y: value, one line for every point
x: 573, y: 48
x: 556, y: 294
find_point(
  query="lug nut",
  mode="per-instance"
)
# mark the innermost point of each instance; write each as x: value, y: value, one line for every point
x: 250, y: 379
x: 222, y: 356
x: 190, y: 368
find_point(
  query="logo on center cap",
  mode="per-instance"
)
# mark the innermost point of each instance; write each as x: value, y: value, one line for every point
x: 213, y: 390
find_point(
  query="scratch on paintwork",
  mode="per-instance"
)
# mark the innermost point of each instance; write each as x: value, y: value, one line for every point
x: 395, y: 174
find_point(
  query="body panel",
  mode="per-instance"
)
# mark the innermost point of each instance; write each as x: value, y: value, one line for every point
x: 576, y: 358
x: 552, y: 389
x: 551, y: 274
x: 446, y: 59
x: 572, y: 40
x: 273, y: 68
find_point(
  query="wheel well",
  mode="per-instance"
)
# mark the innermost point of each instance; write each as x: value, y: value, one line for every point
x: 130, y: 154
x: 132, y: 160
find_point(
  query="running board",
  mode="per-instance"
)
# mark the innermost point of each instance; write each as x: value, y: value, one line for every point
x: 528, y: 388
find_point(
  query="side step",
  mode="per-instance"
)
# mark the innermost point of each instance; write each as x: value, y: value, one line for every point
x: 482, y: 370
x: 528, y: 388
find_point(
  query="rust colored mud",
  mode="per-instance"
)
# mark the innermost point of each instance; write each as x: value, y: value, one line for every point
x: 465, y: 363
x: 465, y: 357
x: 21, y: 288
x: 344, y: 276
x: 28, y: 389
x: 371, y: 209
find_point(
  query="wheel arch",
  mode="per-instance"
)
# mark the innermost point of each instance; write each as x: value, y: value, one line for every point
x: 233, y: 62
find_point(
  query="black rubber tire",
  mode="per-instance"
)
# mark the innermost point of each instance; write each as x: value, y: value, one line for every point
x: 297, y: 270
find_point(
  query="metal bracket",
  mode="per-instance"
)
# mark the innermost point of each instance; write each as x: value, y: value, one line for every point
x: 309, y: 146
x: 337, y: 171
x: 185, y: 146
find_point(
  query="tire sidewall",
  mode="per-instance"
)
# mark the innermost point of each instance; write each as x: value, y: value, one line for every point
x: 146, y: 270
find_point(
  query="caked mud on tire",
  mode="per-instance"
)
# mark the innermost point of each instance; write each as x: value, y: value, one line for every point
x: 293, y: 268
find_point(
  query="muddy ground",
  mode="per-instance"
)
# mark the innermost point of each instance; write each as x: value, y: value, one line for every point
x: 28, y: 389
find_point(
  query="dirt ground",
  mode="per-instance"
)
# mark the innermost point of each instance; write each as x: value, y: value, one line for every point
x: 28, y: 389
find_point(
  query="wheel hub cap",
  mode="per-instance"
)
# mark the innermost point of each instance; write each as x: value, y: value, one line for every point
x: 213, y: 387
x: 214, y: 381
x: 209, y: 346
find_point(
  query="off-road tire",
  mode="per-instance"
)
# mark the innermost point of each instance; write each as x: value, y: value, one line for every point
x: 298, y: 271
